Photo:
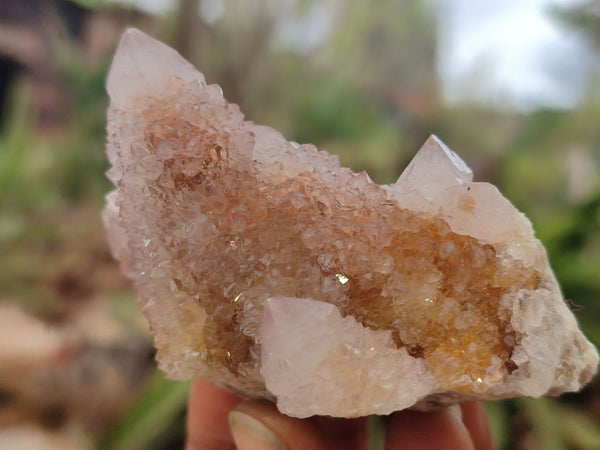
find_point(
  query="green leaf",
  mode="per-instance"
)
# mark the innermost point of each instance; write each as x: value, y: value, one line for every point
x: 581, y: 430
x: 91, y: 4
x: 147, y: 421
x: 498, y: 416
x: 543, y: 415
x: 378, y: 426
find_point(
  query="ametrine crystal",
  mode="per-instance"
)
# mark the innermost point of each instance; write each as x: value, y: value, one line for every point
x: 265, y: 267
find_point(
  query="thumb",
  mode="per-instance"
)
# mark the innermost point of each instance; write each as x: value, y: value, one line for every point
x: 258, y: 425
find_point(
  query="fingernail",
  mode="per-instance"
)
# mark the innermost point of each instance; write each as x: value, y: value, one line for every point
x: 455, y: 412
x: 251, y: 434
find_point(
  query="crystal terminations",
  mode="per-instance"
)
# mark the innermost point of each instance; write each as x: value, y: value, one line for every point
x: 265, y: 267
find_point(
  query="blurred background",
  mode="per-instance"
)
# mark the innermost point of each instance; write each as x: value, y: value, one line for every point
x: 512, y: 86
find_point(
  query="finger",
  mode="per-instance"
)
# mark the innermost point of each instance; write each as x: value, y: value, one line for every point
x: 435, y: 430
x: 475, y: 419
x: 258, y: 425
x: 344, y: 434
x: 207, y: 421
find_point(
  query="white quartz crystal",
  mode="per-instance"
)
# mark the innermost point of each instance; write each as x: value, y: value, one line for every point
x: 310, y: 353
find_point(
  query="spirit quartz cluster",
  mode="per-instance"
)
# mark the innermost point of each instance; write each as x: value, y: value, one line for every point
x: 265, y: 267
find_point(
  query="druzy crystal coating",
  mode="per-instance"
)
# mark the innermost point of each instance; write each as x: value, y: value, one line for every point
x: 265, y: 267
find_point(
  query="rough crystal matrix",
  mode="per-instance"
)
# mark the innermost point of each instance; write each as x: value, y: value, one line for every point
x: 265, y: 267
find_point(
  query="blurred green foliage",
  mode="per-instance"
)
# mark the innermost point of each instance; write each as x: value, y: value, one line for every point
x: 38, y: 174
x: 353, y: 95
x: 149, y: 423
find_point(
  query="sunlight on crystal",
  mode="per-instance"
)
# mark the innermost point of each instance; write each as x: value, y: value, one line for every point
x: 341, y: 278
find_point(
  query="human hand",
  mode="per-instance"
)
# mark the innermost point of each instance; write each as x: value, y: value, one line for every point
x: 220, y: 420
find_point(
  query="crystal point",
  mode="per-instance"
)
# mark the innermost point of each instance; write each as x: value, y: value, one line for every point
x: 142, y: 65
x: 434, y: 168
x: 265, y: 267
x: 305, y: 342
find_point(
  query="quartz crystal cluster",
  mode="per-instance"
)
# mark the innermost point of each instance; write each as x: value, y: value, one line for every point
x: 265, y: 267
